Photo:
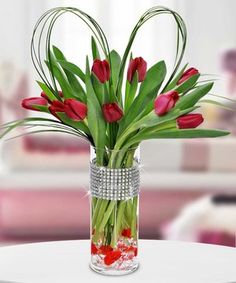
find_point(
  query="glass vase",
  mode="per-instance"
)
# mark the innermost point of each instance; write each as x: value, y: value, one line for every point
x: 114, y: 185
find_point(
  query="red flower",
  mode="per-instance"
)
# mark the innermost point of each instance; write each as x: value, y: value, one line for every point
x: 112, y: 256
x: 105, y: 249
x: 56, y: 106
x: 187, y: 74
x: 75, y: 109
x: 112, y: 112
x: 94, y: 249
x: 126, y: 233
x: 165, y: 102
x: 189, y: 121
x: 30, y: 103
x: 139, y: 65
x: 101, y: 69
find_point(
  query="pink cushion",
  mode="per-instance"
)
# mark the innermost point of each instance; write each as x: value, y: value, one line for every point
x: 217, y: 238
x: 44, y: 213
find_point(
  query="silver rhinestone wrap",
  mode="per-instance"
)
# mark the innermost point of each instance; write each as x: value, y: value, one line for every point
x: 114, y: 184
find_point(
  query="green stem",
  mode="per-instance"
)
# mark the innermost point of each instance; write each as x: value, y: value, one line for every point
x: 116, y: 231
x: 134, y: 218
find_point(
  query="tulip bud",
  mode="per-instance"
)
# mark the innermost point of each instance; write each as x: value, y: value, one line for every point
x: 187, y: 74
x: 165, y: 102
x: 75, y: 109
x: 112, y: 112
x: 139, y: 65
x: 56, y: 106
x: 101, y: 69
x: 189, y: 121
x: 30, y: 103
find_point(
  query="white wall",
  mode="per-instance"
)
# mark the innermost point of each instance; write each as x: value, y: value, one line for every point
x: 211, y: 28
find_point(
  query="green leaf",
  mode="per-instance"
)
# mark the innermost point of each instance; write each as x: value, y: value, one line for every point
x: 130, y: 92
x: 179, y: 134
x: 147, y: 93
x: 152, y: 119
x: 193, y: 97
x: 98, y: 89
x: 190, y: 133
x: 42, y: 108
x: 96, y: 122
x: 75, y: 124
x: 62, y: 80
x: 173, y: 83
x: 30, y: 121
x: 73, y: 81
x: 149, y: 121
x: 47, y: 90
x: 115, y: 67
x: 188, y: 84
x: 95, y: 51
x: 74, y: 69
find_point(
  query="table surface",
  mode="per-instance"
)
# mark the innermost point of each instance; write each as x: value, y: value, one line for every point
x: 160, y: 262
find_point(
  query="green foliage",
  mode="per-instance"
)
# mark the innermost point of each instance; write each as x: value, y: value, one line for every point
x: 74, y: 69
x: 95, y: 51
x: 130, y: 92
x: 47, y: 90
x: 72, y: 80
x: 194, y: 96
x: 115, y: 66
x: 140, y: 121
x: 147, y: 93
x: 173, y: 83
x: 96, y: 122
x: 188, y: 84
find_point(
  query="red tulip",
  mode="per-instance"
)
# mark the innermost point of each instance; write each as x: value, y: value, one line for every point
x: 112, y: 112
x: 165, y: 102
x: 75, y: 109
x: 101, y: 69
x: 139, y: 65
x: 30, y: 103
x: 56, y: 106
x: 189, y: 121
x: 112, y: 256
x: 187, y: 74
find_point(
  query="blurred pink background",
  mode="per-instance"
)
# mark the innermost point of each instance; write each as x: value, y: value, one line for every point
x: 188, y: 187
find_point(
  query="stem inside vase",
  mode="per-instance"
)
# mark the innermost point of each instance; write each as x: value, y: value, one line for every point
x: 114, y: 223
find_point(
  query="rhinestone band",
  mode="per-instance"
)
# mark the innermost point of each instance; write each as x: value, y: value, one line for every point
x: 114, y: 184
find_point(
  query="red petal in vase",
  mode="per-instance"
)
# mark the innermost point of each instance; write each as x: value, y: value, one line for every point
x: 126, y: 233
x: 105, y: 249
x: 112, y: 256
x: 94, y: 249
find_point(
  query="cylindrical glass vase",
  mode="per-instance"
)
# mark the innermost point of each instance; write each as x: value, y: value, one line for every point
x: 114, y: 185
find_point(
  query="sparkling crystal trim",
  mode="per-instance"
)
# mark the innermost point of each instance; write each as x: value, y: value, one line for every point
x: 114, y: 184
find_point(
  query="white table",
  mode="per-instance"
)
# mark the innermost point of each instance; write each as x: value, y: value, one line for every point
x: 160, y: 262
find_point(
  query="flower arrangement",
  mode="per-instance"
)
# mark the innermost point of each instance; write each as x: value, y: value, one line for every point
x: 114, y: 109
